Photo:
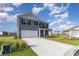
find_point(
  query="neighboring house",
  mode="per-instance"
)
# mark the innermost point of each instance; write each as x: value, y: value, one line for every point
x: 29, y: 25
x: 56, y: 32
x: 50, y: 32
x: 12, y: 33
x: 3, y: 33
x: 72, y: 32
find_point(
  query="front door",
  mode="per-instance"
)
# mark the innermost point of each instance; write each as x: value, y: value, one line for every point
x: 41, y: 33
x: 46, y: 33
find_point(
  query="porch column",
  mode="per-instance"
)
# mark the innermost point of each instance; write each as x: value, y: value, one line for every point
x: 44, y: 33
x: 39, y: 33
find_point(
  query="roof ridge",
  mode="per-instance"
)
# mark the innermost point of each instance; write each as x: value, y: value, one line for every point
x: 31, y: 14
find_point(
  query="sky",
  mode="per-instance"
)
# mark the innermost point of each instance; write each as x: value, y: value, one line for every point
x: 60, y: 16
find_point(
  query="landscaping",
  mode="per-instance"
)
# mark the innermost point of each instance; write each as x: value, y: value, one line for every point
x: 18, y: 46
x: 64, y: 39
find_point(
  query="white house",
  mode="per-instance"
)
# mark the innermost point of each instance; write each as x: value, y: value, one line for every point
x: 4, y: 33
x: 72, y: 32
x: 1, y: 33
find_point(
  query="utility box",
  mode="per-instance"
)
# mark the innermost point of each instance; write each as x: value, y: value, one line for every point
x: 5, y: 49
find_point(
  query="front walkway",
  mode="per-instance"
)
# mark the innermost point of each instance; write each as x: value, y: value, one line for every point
x: 45, y: 47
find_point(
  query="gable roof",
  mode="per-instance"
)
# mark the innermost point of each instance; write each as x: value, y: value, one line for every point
x: 71, y: 28
x: 31, y: 16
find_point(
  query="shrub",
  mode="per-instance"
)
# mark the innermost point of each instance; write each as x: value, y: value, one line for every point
x: 15, y: 43
x: 67, y: 37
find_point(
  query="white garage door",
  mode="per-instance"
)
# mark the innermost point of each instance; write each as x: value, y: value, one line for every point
x: 29, y: 33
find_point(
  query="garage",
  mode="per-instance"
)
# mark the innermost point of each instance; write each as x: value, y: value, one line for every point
x: 29, y: 33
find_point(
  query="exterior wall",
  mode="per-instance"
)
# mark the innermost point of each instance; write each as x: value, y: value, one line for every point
x: 76, y: 28
x: 30, y: 27
x: 74, y: 34
x: 21, y: 26
x: 25, y: 26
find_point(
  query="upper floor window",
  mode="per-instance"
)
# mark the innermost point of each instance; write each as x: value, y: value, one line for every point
x: 43, y: 25
x: 40, y: 25
x: 46, y: 25
x: 28, y: 22
x: 35, y: 22
x: 23, y: 21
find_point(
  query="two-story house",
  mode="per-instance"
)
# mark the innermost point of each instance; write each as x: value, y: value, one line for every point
x: 30, y: 25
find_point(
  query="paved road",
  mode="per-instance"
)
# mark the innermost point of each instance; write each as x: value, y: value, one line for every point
x: 45, y: 47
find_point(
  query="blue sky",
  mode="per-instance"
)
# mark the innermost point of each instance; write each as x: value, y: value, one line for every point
x: 60, y: 16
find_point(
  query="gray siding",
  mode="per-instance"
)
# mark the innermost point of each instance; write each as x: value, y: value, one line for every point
x: 21, y: 26
x: 26, y: 26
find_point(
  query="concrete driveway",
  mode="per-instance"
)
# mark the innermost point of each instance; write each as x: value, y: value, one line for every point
x: 45, y: 47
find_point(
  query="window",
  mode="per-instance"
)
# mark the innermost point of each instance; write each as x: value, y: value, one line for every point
x: 46, y: 25
x: 23, y: 21
x: 35, y: 23
x: 28, y: 22
x: 40, y: 25
x: 43, y: 25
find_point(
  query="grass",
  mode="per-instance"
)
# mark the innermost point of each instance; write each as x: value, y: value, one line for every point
x: 15, y: 43
x: 23, y: 52
x: 64, y: 39
x: 23, y: 49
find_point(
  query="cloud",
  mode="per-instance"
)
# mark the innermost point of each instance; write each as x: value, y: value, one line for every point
x: 48, y: 5
x: 58, y: 15
x: 5, y: 8
x: 62, y: 16
x: 59, y: 9
x: 56, y: 10
x: 8, y: 18
x: 2, y: 5
x: 65, y: 26
x: 1, y: 27
x: 49, y: 20
x: 36, y: 10
x: 3, y: 14
x: 2, y: 19
x: 11, y: 18
x: 58, y: 25
x: 55, y: 22
x: 17, y: 4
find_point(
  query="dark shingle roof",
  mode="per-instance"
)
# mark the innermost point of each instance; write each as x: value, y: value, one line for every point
x: 31, y: 16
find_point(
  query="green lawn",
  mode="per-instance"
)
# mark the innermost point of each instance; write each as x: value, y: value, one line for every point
x: 64, y: 39
x: 22, y: 51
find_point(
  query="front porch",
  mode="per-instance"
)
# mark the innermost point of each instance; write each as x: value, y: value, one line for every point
x: 43, y: 32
